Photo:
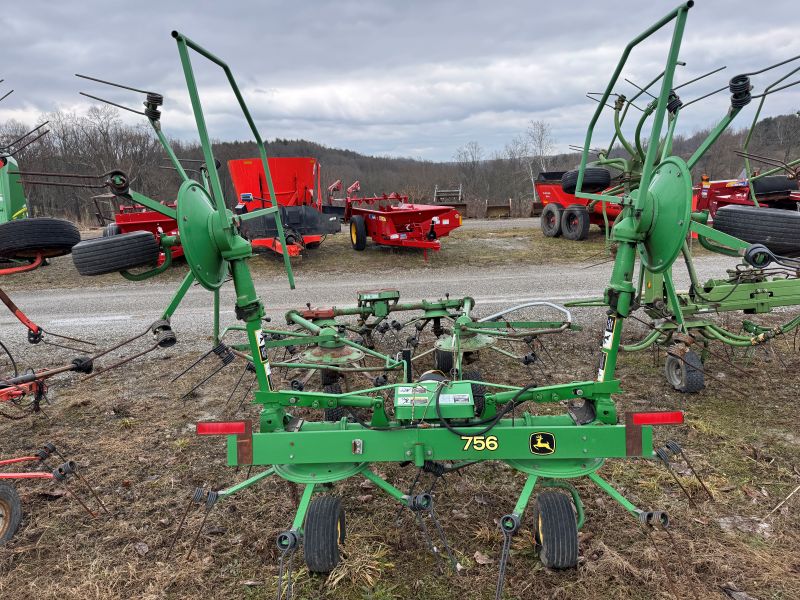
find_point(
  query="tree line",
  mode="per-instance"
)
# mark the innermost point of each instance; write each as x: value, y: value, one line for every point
x: 99, y: 141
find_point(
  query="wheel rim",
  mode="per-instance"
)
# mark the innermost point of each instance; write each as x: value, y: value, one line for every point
x: 675, y: 372
x: 353, y: 232
x: 5, y: 518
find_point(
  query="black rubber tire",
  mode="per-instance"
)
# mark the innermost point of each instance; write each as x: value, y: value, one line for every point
x: 774, y: 184
x: 10, y: 512
x: 556, y: 530
x: 550, y: 221
x: 25, y: 238
x: 116, y: 253
x: 595, y: 179
x: 323, y: 531
x: 777, y: 229
x: 312, y: 245
x: 685, y: 375
x: 443, y: 361
x: 358, y: 232
x: 575, y: 223
x: 111, y: 229
x: 327, y: 377
x: 340, y: 412
x: 478, y: 391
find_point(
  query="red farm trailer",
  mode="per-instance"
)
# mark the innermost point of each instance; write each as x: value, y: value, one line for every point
x: 771, y: 192
x: 564, y: 214
x: 297, y: 189
x: 390, y: 220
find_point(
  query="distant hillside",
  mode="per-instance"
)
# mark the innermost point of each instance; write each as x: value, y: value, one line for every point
x: 99, y: 142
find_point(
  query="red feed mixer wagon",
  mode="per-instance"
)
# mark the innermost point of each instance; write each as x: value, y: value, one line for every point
x: 296, y: 182
x: 390, y: 220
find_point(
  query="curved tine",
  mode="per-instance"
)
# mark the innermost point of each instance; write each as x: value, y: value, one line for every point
x: 138, y: 112
x: 641, y: 89
x: 510, y: 309
x: 778, y: 64
x: 777, y: 89
x: 111, y: 83
x: 717, y: 70
x: 722, y: 89
x: 24, y: 135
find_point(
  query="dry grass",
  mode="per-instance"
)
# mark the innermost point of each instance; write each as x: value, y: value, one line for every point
x: 134, y: 439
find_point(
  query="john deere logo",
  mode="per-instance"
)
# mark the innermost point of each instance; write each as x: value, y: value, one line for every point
x: 543, y: 443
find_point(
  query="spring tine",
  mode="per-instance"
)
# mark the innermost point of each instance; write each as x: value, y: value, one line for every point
x: 190, y: 367
x: 138, y: 112
x: 235, y: 387
x: 694, y: 472
x: 665, y: 460
x: 94, y: 493
x: 198, y: 493
x: 217, y: 370
x: 120, y: 363
x: 81, y: 502
x: 209, y: 505
x: 111, y: 83
x: 66, y: 337
x: 691, y: 81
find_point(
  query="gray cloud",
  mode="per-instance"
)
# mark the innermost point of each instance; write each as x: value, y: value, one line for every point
x: 408, y: 78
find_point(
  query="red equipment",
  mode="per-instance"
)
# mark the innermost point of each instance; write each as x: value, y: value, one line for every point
x: 136, y: 217
x: 771, y: 192
x: 297, y: 187
x: 392, y: 221
x: 548, y: 190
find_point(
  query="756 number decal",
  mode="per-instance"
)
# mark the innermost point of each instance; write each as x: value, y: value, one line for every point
x: 480, y: 442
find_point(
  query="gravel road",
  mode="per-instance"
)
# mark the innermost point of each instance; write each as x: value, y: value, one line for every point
x: 121, y: 310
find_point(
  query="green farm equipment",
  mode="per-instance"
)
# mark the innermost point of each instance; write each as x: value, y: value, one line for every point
x: 443, y: 420
x: 660, y: 227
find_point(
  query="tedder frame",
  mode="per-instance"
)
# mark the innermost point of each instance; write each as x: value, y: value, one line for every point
x: 435, y: 416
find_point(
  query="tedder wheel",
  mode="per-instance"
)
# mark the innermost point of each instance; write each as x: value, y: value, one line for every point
x: 25, y: 238
x: 556, y: 530
x: 324, y: 530
x: 776, y: 228
x: 10, y: 512
x: 111, y: 229
x: 358, y: 232
x: 443, y: 361
x: 575, y: 222
x: 478, y: 391
x: 685, y: 375
x: 595, y: 180
x: 116, y: 253
x: 550, y: 220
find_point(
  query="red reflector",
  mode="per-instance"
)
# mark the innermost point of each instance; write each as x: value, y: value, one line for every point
x: 221, y: 427
x: 658, y: 418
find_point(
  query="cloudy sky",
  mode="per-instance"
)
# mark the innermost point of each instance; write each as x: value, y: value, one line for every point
x: 401, y: 78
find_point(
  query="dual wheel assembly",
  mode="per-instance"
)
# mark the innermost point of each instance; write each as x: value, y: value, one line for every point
x: 573, y: 221
x: 555, y: 532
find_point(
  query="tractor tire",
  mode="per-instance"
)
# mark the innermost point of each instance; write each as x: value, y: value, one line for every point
x: 25, y: 238
x: 777, y: 229
x: 775, y: 184
x: 358, y: 232
x: 443, y: 361
x: 685, y: 375
x: 550, y: 220
x: 111, y: 229
x: 595, y: 180
x: 323, y: 531
x: 10, y: 512
x: 478, y: 391
x: 116, y: 253
x: 575, y: 223
x: 556, y: 530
